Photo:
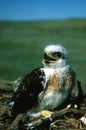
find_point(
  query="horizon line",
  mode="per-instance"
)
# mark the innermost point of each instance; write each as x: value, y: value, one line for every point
x: 42, y: 19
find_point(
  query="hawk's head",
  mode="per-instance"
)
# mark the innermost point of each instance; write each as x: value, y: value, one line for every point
x: 55, y: 56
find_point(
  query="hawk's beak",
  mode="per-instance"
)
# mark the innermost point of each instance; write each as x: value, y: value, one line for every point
x: 48, y: 53
x: 48, y: 57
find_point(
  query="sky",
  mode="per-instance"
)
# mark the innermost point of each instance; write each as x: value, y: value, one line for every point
x: 42, y: 9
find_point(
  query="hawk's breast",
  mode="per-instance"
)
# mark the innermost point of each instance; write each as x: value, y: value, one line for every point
x: 51, y: 96
x: 56, y: 90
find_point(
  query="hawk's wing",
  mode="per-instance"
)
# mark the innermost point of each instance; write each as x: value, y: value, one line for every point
x: 26, y: 95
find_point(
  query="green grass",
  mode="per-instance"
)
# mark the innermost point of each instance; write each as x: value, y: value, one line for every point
x: 22, y: 43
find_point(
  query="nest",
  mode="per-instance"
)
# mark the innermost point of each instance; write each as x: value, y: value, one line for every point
x: 68, y: 118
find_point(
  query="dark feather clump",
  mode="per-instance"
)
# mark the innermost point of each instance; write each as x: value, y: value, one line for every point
x: 26, y: 95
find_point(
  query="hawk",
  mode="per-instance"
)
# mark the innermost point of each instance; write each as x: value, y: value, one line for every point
x: 47, y: 87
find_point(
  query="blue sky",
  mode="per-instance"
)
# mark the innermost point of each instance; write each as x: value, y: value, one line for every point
x: 41, y: 9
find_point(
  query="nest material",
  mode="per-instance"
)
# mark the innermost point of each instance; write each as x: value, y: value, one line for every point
x: 64, y: 119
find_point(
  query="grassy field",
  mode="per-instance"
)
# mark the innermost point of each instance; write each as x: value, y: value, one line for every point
x: 22, y: 43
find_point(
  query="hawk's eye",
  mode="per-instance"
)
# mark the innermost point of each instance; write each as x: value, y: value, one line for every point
x: 57, y: 54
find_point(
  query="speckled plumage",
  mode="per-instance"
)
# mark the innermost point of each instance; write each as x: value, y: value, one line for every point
x: 47, y: 87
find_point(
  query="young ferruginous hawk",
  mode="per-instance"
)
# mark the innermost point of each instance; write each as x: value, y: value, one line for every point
x: 47, y: 87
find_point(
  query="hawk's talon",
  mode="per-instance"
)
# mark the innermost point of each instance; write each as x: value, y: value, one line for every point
x: 46, y: 113
x: 68, y: 106
x: 75, y: 106
x: 72, y: 106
